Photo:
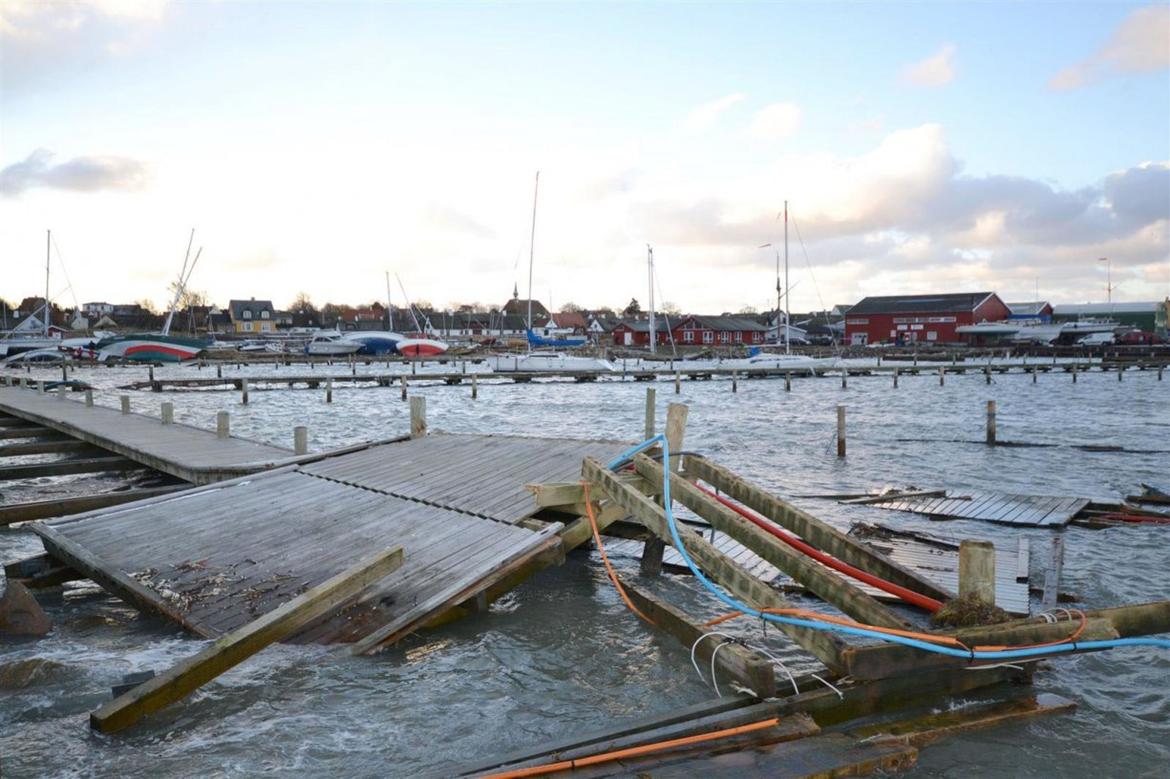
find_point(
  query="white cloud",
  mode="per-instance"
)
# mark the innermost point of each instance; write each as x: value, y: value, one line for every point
x: 935, y: 71
x: 80, y: 174
x: 37, y: 18
x: 707, y: 114
x: 775, y: 122
x: 1140, y: 44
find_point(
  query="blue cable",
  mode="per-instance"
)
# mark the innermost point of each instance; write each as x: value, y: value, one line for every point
x: 969, y: 654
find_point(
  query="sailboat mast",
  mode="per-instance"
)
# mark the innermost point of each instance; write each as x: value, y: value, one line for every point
x: 532, y: 250
x: 787, y: 345
x: 389, y: 307
x: 48, y: 311
x: 650, y: 271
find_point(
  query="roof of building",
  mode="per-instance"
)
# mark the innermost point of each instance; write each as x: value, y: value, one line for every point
x: 238, y: 307
x: 723, y: 322
x: 920, y: 304
x: 520, y: 306
x: 1033, y: 307
x: 574, y: 319
x: 1142, y: 307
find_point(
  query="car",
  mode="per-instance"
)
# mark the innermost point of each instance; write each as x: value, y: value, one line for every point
x: 1140, y: 338
x: 1096, y: 339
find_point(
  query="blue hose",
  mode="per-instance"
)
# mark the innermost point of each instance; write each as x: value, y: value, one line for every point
x: 969, y: 654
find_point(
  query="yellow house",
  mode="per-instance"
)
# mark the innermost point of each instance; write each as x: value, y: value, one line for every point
x: 252, y: 316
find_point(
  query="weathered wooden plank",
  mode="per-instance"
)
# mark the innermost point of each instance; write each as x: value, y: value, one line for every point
x: 44, y: 447
x: 750, y: 669
x: 42, y: 509
x: 66, y: 467
x: 820, y: 534
x: 717, y: 565
x: 231, y: 650
x: 822, y: 582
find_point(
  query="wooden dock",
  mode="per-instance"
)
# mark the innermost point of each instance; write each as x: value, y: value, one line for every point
x: 1023, y: 510
x: 188, y: 453
x: 214, y: 558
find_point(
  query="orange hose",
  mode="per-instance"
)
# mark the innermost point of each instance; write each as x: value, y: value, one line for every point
x: 644, y: 749
x: 613, y: 577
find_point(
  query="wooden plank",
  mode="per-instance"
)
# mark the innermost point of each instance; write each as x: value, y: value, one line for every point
x: 67, y: 467
x: 44, y: 447
x: 231, y: 650
x: 820, y: 534
x: 42, y: 509
x: 821, y: 581
x: 31, y: 431
x: 750, y: 669
x: 717, y: 565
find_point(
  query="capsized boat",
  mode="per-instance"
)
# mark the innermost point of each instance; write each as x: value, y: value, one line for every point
x: 331, y: 344
x: 375, y: 342
x: 548, y: 362
x: 421, y: 347
x: 146, y: 347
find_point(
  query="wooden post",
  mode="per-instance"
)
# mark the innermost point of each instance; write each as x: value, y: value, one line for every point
x: 1033, y: 369
x: 676, y: 424
x: 787, y: 381
x: 678, y: 381
x: 648, y: 430
x: 301, y: 439
x: 168, y: 413
x: 61, y: 390
x: 844, y: 379
x: 1120, y: 371
x: 840, y: 431
x: 987, y: 374
x: 40, y: 387
x: 1051, y: 592
x: 219, y: 371
x: 125, y: 399
x: 404, y: 386
x: 895, y: 378
x: 413, y: 366
x: 735, y: 381
x: 418, y: 416
x: 231, y: 650
x: 942, y: 377
x: 223, y: 425
x: 150, y: 375
x: 89, y: 398
x: 977, y: 571
x: 244, y: 391
x: 1074, y: 372
x: 64, y: 372
x: 474, y: 384
x: 991, y: 423
x: 329, y: 389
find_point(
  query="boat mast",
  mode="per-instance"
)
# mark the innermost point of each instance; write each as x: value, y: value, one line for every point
x: 410, y: 306
x: 650, y: 271
x: 532, y: 252
x: 179, y: 287
x: 48, y: 311
x: 389, y: 306
x: 787, y: 345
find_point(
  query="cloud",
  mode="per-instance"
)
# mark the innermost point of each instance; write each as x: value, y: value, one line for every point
x: 775, y: 122
x: 935, y: 71
x: 37, y: 18
x: 1140, y: 44
x: 80, y: 174
x: 707, y: 114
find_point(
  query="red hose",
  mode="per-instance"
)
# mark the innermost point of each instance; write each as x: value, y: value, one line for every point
x: 911, y: 597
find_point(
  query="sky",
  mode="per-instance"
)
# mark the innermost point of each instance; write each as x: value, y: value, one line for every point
x: 921, y: 147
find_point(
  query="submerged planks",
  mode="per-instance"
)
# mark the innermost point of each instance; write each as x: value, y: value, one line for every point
x: 191, y: 454
x: 216, y: 557
x: 1026, y: 510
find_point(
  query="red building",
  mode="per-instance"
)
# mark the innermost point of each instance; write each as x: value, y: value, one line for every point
x: 692, y: 330
x: 920, y: 318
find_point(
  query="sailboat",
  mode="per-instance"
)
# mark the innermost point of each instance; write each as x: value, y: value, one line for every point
x: 155, y: 347
x: 416, y: 347
x: 545, y: 361
x: 786, y: 360
x: 24, y: 338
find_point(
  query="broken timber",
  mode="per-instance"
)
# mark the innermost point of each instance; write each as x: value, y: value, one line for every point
x: 26, y: 512
x: 718, y: 566
x: 233, y: 649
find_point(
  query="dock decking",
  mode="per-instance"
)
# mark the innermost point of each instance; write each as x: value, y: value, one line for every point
x: 214, y: 558
x: 189, y: 453
x: 1024, y: 510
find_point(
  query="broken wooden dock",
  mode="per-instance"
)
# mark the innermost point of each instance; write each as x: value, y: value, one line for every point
x: 188, y: 453
x: 1023, y: 510
x: 216, y: 557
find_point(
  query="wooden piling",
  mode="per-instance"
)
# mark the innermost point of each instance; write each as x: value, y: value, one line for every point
x: 301, y: 439
x: 1074, y: 373
x: 991, y: 423
x: 231, y: 650
x: 840, y: 430
x: 942, y: 377
x: 89, y: 398
x: 1033, y: 369
x: 735, y: 381
x: 844, y: 379
x: 977, y: 571
x: 329, y: 389
x: 987, y: 374
x: 150, y: 375
x: 1160, y: 373
x: 787, y: 381
x: 168, y: 413
x: 219, y: 371
x: 244, y: 391
x: 678, y: 381
x: 895, y: 378
x: 676, y: 423
x: 223, y: 425
x: 648, y: 429
x: 474, y: 384
x: 1120, y: 371
x: 418, y: 416
x: 40, y: 387
x: 125, y: 400
x: 61, y: 390
x: 64, y: 372
x: 403, y: 382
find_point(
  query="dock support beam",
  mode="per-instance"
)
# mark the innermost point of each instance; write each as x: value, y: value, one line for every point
x: 991, y: 423
x: 648, y: 430
x: 301, y: 439
x: 418, y: 416
x: 168, y: 413
x: 977, y: 571
x: 223, y: 425
x: 676, y: 424
x: 840, y: 430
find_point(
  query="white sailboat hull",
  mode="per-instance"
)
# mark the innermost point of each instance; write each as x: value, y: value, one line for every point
x: 548, y: 362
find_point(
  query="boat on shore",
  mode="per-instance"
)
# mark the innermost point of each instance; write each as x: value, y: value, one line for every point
x: 331, y: 344
x: 421, y: 347
x: 549, y: 362
x: 782, y: 361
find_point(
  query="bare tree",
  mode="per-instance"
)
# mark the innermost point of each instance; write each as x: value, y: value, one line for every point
x: 570, y: 308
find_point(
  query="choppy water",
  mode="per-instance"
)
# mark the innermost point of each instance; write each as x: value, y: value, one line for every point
x: 560, y: 654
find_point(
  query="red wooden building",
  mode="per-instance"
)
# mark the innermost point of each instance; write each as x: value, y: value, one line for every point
x: 692, y: 330
x: 920, y: 318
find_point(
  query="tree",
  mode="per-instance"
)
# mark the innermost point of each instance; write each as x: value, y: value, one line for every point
x: 670, y: 309
x: 748, y: 310
x: 633, y: 309
x: 302, y: 304
x: 570, y: 308
x: 146, y: 305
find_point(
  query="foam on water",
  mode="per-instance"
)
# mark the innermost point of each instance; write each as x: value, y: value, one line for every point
x: 561, y: 654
